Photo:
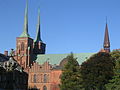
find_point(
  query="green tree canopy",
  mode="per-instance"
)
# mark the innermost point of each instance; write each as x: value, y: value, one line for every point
x: 114, y: 84
x: 97, y: 71
x: 71, y: 79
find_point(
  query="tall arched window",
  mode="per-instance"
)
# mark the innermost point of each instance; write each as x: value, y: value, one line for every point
x: 22, y: 46
x: 48, y: 78
x: 34, y: 78
x: 44, y: 88
x: 41, y: 78
x: 45, y: 78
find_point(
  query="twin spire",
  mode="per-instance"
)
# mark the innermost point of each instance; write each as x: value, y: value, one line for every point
x: 38, y: 36
x: 25, y: 30
x: 106, y: 44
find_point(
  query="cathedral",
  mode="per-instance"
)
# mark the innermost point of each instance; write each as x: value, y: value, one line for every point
x: 44, y: 70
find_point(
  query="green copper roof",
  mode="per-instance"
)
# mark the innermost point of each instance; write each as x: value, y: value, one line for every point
x: 25, y: 30
x: 57, y: 58
x: 38, y: 36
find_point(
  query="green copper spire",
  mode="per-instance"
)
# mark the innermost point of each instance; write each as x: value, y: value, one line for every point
x: 25, y: 31
x: 38, y: 36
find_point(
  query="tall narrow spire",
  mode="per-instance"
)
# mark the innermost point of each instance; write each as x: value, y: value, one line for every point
x: 25, y: 30
x: 38, y: 36
x: 106, y: 40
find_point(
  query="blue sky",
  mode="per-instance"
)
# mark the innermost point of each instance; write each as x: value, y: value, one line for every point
x: 66, y: 25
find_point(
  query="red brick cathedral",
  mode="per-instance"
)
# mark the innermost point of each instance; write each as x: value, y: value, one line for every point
x: 44, y: 70
x: 41, y: 76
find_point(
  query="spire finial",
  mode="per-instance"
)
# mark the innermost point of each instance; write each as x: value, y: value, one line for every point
x: 38, y: 36
x: 25, y: 31
x: 39, y: 16
x: 106, y: 19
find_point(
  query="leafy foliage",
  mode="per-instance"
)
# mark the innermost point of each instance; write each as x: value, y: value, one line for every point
x: 114, y: 84
x: 115, y: 54
x: 97, y: 71
x: 71, y: 78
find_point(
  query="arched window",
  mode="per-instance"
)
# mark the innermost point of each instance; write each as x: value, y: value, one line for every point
x: 48, y: 78
x: 45, y: 78
x: 22, y: 46
x: 41, y: 78
x: 34, y: 78
x: 44, y: 88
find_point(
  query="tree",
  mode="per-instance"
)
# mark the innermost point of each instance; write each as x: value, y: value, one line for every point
x: 114, y: 84
x: 71, y: 78
x: 97, y: 71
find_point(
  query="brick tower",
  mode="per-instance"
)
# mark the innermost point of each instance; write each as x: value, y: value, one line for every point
x: 39, y: 46
x: 27, y: 48
x: 24, y: 44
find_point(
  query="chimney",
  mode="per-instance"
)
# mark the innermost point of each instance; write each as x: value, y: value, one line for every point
x: 6, y: 53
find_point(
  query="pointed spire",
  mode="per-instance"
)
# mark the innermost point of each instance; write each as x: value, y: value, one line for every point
x: 106, y: 40
x: 38, y: 36
x: 25, y: 31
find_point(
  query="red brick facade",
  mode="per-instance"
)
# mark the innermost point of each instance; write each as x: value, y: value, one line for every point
x: 24, y: 50
x: 42, y: 77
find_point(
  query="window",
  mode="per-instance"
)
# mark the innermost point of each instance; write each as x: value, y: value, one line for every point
x: 34, y: 78
x: 22, y: 46
x: 44, y: 88
x: 41, y: 78
x: 45, y: 78
x: 48, y: 78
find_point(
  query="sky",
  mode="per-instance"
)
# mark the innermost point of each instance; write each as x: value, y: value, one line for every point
x: 76, y: 26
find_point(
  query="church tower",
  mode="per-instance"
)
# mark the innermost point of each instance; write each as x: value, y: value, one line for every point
x: 106, y: 44
x: 39, y: 46
x: 24, y: 44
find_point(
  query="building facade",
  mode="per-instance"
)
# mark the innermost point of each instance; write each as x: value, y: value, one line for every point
x: 44, y: 70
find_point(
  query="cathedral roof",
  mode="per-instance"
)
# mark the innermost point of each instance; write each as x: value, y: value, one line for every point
x: 55, y: 59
